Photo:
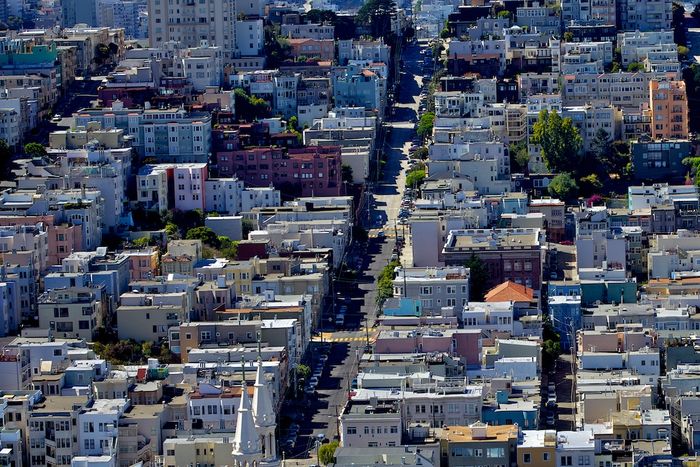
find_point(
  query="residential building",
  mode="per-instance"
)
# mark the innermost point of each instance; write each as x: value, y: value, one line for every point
x: 73, y: 312
x: 479, y: 444
x: 509, y: 254
x: 437, y: 289
x: 668, y: 104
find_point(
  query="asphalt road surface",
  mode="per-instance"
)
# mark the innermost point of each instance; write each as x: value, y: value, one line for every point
x: 318, y: 414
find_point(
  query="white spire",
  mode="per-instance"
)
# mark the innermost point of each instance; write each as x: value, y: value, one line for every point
x: 262, y: 402
x: 246, y: 442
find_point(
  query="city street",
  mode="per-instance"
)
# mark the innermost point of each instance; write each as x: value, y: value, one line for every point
x: 370, y: 257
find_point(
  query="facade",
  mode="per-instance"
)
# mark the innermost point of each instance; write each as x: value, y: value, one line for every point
x: 668, y: 103
x: 313, y: 171
x: 437, y: 289
x: 73, y: 312
x: 660, y: 160
x: 479, y: 444
x: 509, y: 254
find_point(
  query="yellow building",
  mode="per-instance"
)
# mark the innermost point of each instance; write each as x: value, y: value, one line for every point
x: 538, y: 448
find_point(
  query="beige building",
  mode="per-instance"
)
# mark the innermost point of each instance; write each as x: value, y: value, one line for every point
x: 147, y: 317
x: 77, y: 138
x: 197, y: 451
x: 53, y: 431
x: 73, y: 311
x: 181, y: 257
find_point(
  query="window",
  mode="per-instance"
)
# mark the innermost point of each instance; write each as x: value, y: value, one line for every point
x: 527, y: 458
x: 566, y: 460
x: 495, y: 453
x: 351, y: 430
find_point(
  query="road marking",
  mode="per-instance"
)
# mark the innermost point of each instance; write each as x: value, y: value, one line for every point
x: 327, y: 337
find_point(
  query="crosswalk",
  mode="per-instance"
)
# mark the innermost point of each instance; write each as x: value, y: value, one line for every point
x: 330, y: 337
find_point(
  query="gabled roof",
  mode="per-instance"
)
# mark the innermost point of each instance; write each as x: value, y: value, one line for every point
x: 510, y: 292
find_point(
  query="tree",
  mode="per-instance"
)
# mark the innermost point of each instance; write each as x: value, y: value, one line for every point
x: 247, y: 226
x: 34, y: 150
x: 563, y: 186
x: 315, y: 16
x: 172, y: 231
x: 478, y: 278
x: 568, y: 36
x: 326, y: 453
x: 425, y: 125
x: 377, y: 15
x: 683, y: 52
x: 141, y: 242
x: 677, y: 20
x: 415, y: 178
x: 250, y: 108
x: 635, y: 67
x: 7, y: 164
x: 590, y: 184
x: 421, y: 153
x: 601, y: 146
x: 519, y: 156
x: 385, y: 281
x: 277, y: 47
x: 559, y: 141
x: 346, y: 173
x: 504, y: 14
x: 205, y: 234
x: 227, y: 247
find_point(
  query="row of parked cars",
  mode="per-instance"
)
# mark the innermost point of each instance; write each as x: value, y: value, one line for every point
x: 290, y: 435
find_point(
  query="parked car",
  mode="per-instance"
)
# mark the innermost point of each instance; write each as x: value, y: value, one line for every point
x: 550, y: 419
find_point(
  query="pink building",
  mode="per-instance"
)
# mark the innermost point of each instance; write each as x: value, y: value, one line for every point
x: 143, y: 264
x: 188, y: 185
x: 310, y: 171
x: 63, y: 238
x: 620, y: 340
x: 323, y: 49
x: 464, y: 343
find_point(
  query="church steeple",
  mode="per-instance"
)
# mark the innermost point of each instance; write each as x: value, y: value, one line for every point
x: 247, y: 451
x: 264, y: 415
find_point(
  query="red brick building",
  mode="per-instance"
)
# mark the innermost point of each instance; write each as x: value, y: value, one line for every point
x: 309, y: 171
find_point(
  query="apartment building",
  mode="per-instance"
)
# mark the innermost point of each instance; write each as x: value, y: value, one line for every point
x: 509, y: 254
x: 74, y: 311
x: 147, y: 317
x: 53, y: 430
x: 436, y: 288
x: 660, y: 159
x: 169, y: 135
x: 668, y: 103
x: 314, y: 171
x: 216, y: 21
x: 479, y: 444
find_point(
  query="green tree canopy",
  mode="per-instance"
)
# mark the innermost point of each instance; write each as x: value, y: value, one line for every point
x: 326, y: 453
x: 385, y: 284
x: 34, y: 150
x: 346, y: 173
x: 559, y: 140
x: 377, y: 14
x: 478, y: 278
x: 250, y: 108
x: 519, y: 156
x: 634, y: 67
x: 7, y: 164
x: 564, y: 187
x: 415, y: 178
x: 425, y: 125
x: 205, y: 234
